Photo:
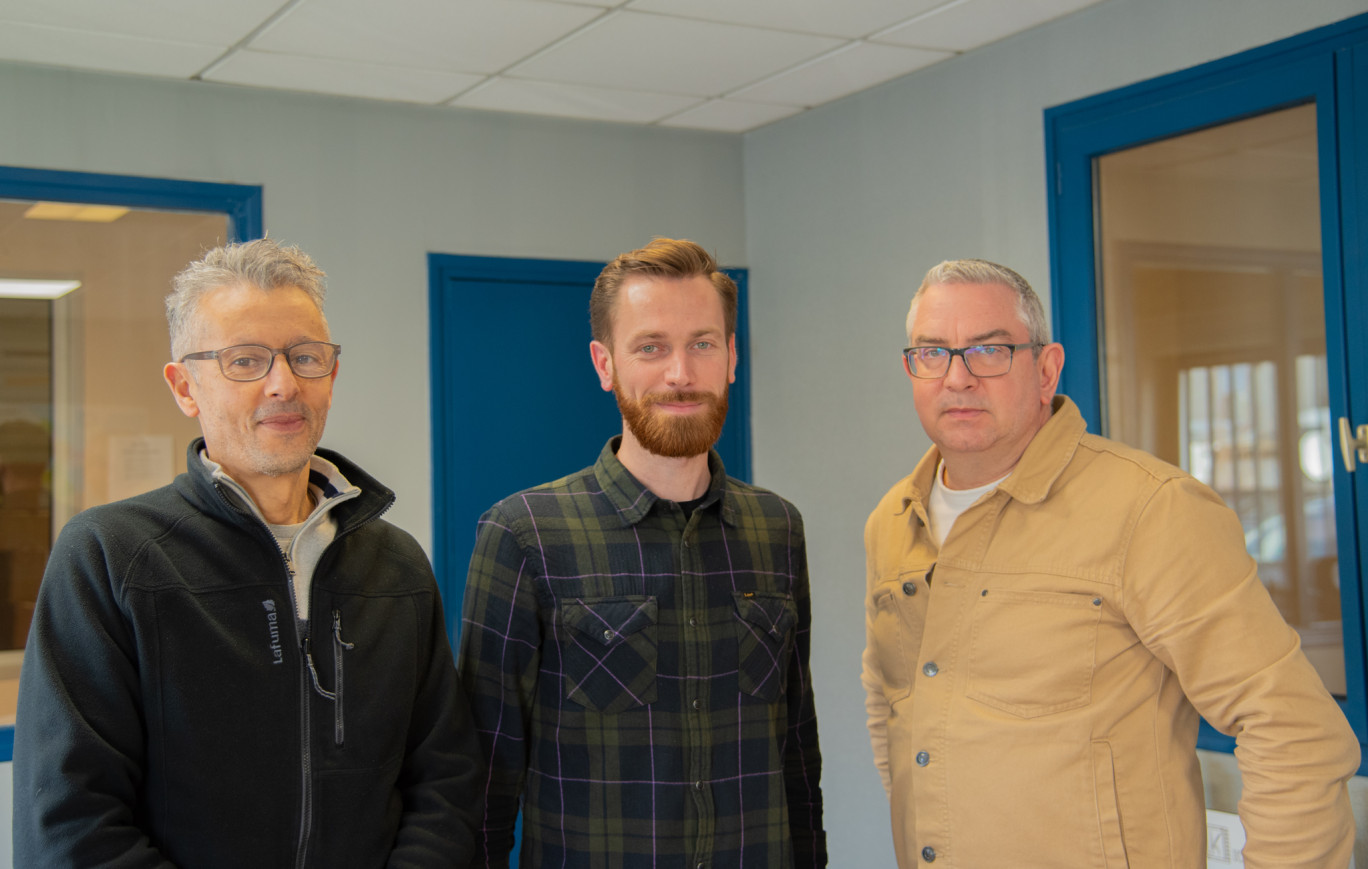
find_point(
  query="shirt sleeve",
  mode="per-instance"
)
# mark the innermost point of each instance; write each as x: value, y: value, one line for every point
x: 1194, y: 597
x: 498, y: 663
x: 443, y: 767
x: 871, y: 676
x: 79, y: 738
x: 802, y: 757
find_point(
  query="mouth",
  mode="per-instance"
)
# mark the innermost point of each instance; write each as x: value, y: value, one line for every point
x: 282, y: 423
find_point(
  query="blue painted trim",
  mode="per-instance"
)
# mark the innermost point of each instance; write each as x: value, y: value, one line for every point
x: 1327, y: 66
x: 7, y: 744
x: 241, y: 202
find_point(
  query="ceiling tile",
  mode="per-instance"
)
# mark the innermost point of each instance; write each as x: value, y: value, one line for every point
x: 729, y: 116
x: 840, y: 73
x: 56, y: 46
x: 212, y: 22
x: 633, y: 50
x: 849, y: 18
x: 968, y: 24
x: 342, y: 78
x: 573, y: 101
x: 478, y: 36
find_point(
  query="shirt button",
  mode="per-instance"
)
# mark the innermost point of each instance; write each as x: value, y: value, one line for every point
x: 909, y: 588
x: 923, y: 758
x: 929, y: 854
x: 698, y: 786
x: 930, y: 668
x: 607, y: 635
x: 693, y: 622
x: 697, y: 704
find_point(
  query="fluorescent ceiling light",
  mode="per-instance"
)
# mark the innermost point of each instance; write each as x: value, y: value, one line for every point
x: 75, y: 211
x: 11, y: 288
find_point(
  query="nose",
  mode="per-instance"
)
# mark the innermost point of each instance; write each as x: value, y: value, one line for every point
x: 281, y: 381
x: 958, y: 376
x: 679, y: 370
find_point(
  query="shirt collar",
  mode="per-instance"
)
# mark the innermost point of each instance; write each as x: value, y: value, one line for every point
x: 1046, y: 457
x: 633, y: 501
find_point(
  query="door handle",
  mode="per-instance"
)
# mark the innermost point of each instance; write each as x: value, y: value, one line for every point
x: 1352, y: 442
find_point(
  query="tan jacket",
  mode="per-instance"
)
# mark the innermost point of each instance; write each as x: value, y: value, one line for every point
x: 1032, y: 705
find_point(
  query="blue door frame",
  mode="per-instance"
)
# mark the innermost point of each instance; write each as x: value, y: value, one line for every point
x: 240, y: 202
x: 1326, y: 66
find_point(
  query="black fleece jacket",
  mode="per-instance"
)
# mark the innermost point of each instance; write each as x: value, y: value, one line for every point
x: 168, y: 715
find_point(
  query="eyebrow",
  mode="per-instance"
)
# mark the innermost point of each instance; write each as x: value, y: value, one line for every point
x: 658, y: 336
x: 981, y: 338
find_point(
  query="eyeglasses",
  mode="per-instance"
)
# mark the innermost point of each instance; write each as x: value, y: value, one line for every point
x: 246, y: 362
x: 982, y: 360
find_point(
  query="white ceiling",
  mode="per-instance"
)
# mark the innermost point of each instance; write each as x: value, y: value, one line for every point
x: 728, y: 65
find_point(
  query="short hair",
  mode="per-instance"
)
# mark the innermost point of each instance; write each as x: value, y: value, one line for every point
x: 261, y: 263
x: 978, y: 271
x: 662, y: 258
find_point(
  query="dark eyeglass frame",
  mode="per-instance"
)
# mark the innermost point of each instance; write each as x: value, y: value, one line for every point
x: 963, y: 354
x: 279, y: 351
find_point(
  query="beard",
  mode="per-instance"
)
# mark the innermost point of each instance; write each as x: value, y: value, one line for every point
x: 671, y: 435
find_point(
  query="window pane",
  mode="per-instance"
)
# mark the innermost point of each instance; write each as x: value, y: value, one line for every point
x: 1214, y: 342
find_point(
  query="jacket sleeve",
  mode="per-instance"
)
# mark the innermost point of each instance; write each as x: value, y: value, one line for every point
x: 871, y: 674
x: 802, y: 756
x: 1195, y: 599
x: 500, y: 654
x: 79, y: 757
x: 443, y: 768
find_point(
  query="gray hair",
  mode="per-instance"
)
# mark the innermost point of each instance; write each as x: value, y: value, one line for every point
x: 978, y: 271
x: 261, y: 263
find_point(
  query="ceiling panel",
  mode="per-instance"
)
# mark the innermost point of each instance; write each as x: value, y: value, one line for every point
x: 671, y: 55
x: 968, y: 24
x: 461, y: 35
x: 840, y: 73
x: 212, y: 22
x: 729, y: 116
x: 82, y: 49
x: 849, y: 18
x: 574, y: 101
x: 340, y: 77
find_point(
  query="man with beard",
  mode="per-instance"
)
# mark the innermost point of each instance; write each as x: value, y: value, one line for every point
x: 635, y: 635
x: 181, y: 701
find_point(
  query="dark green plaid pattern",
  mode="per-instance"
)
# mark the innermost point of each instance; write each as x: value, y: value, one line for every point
x: 640, y: 677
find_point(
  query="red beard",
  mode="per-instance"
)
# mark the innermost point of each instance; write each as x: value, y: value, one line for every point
x: 672, y: 435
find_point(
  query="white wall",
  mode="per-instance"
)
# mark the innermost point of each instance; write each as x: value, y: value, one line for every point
x: 846, y: 207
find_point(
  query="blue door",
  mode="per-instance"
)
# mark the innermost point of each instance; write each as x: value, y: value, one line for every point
x: 515, y: 400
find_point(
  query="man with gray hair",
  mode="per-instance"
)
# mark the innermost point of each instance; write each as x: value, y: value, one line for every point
x: 182, y: 698
x: 1047, y: 613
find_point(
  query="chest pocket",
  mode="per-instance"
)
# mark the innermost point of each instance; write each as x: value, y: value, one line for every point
x: 896, y: 631
x: 765, y: 624
x: 1032, y: 652
x: 608, y: 653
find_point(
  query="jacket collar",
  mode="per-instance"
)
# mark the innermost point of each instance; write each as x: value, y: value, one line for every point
x: 1046, y: 457
x: 333, y: 477
x: 633, y: 501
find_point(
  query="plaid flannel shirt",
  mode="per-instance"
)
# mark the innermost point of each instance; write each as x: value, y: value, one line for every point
x: 639, y: 676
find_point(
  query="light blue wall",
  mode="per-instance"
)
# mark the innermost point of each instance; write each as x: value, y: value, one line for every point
x: 847, y: 207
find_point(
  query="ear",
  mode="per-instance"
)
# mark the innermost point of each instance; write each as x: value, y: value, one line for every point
x: 603, y: 364
x: 183, y: 387
x: 1048, y: 368
x: 731, y: 351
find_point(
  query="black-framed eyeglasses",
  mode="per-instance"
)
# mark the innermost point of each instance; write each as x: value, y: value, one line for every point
x: 246, y: 362
x: 982, y: 360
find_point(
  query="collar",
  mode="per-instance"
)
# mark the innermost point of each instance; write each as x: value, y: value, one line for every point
x: 633, y: 501
x: 327, y: 484
x: 1046, y: 457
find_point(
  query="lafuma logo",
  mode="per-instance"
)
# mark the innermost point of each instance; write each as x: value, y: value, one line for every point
x: 273, y: 625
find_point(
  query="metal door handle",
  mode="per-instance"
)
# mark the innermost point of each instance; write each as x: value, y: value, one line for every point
x: 1352, y: 442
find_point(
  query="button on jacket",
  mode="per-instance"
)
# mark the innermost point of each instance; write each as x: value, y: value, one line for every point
x: 640, y: 676
x: 1031, y: 685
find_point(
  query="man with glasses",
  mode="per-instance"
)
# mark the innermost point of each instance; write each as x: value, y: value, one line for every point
x: 635, y: 637
x: 1048, y: 612
x: 248, y: 667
